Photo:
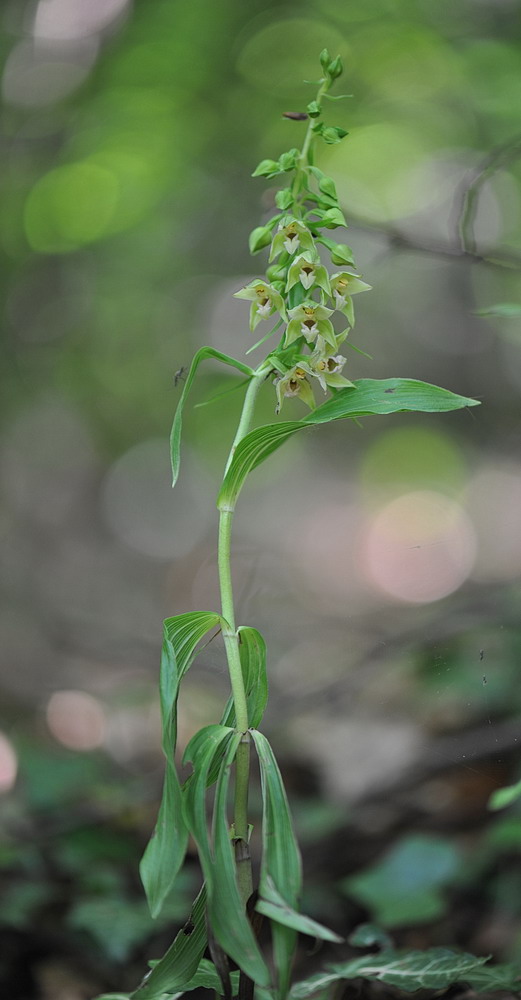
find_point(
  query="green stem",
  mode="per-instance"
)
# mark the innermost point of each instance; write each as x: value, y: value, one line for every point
x: 231, y: 643
x: 304, y: 158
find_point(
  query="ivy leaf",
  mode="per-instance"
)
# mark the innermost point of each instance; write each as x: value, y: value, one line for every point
x: 433, y: 969
x: 404, y: 887
x: 175, y: 436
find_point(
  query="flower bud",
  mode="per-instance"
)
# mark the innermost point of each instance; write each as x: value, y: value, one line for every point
x: 259, y: 238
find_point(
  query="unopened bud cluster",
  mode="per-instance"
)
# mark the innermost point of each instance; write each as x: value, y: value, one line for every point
x: 299, y: 290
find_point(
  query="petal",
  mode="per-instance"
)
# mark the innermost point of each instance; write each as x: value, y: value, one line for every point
x: 292, y: 332
x: 307, y: 278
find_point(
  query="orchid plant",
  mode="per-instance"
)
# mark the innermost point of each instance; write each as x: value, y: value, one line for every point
x: 309, y: 304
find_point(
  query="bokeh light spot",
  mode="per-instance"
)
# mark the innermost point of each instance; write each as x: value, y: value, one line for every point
x: 36, y: 75
x: 70, y: 206
x: 414, y: 457
x: 373, y: 170
x: 70, y: 19
x: 8, y: 764
x: 76, y: 719
x: 420, y: 547
x: 494, y: 502
x: 285, y: 51
x: 142, y: 511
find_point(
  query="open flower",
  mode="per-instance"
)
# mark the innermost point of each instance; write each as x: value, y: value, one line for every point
x: 292, y: 235
x: 310, y: 320
x: 265, y: 300
x: 309, y: 272
x: 328, y: 368
x: 294, y: 383
x: 343, y: 286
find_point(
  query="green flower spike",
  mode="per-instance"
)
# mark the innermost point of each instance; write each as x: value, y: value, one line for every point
x: 294, y: 383
x: 310, y: 320
x: 343, y: 286
x: 265, y: 300
x: 309, y: 272
x: 291, y: 236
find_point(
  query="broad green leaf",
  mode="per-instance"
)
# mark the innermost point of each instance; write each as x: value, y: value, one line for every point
x: 404, y: 887
x: 252, y: 652
x: 390, y: 395
x: 315, y: 986
x: 207, y: 978
x: 226, y: 912
x: 434, y: 969
x: 181, y: 961
x: 175, y: 436
x: 504, y: 797
x: 250, y: 452
x: 280, y: 863
x: 505, y: 310
x: 166, y: 849
x: 488, y: 978
x: 274, y: 906
x: 366, y: 397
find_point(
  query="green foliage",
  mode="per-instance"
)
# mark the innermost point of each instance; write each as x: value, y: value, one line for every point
x: 368, y: 396
x: 300, y: 291
x: 404, y: 887
x: 180, y: 963
x: 505, y: 310
x: 433, y: 969
x: 175, y: 437
x: 166, y: 849
x: 226, y: 914
x: 504, y: 797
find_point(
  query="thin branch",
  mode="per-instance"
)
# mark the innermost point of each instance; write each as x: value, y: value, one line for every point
x: 467, y: 198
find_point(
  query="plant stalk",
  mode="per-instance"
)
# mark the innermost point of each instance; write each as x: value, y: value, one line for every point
x: 231, y: 643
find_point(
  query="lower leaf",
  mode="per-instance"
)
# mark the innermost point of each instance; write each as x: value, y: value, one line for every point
x: 274, y: 906
x: 182, y: 959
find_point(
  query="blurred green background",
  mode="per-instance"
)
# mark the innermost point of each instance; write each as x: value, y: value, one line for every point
x: 381, y: 563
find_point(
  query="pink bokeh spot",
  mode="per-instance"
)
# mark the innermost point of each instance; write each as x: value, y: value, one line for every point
x: 76, y: 719
x: 419, y: 548
x: 8, y: 764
